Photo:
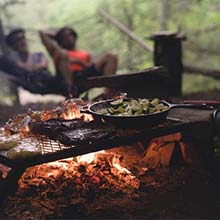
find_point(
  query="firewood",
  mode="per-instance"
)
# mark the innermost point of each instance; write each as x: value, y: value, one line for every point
x: 160, y: 151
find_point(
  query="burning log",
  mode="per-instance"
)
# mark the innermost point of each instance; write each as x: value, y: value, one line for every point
x: 160, y: 151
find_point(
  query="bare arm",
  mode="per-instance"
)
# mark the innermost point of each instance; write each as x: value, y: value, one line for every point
x: 51, y: 46
x: 62, y: 64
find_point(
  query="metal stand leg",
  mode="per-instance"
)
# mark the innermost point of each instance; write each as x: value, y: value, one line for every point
x: 9, y: 185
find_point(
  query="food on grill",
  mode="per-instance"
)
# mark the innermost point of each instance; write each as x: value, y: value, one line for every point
x: 134, y: 107
x: 55, y: 125
x: 14, y: 146
x: 35, y: 115
x: 13, y: 154
x: 70, y: 132
x: 66, y: 111
x: 25, y: 148
x: 18, y: 125
x: 83, y: 136
x: 7, y: 145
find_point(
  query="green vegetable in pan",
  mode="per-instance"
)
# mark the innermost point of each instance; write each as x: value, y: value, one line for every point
x: 135, y: 107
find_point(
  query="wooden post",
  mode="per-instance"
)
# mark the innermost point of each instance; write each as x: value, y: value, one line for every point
x: 168, y: 53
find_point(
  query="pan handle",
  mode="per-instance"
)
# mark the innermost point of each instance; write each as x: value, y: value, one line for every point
x: 194, y: 106
x: 208, y: 102
x: 85, y: 109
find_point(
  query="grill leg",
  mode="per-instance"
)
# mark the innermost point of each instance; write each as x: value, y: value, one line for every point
x: 9, y: 185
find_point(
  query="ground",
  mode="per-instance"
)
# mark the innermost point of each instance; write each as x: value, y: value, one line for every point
x: 179, y: 192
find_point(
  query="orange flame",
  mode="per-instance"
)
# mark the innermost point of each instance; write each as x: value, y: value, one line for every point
x: 71, y: 111
x: 70, y: 166
x: 71, y: 114
x: 68, y: 111
x: 111, y: 159
x: 119, y: 167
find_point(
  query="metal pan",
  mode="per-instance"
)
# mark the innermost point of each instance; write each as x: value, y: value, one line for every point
x: 147, y: 120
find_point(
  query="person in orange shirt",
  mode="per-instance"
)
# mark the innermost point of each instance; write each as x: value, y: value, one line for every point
x: 73, y: 64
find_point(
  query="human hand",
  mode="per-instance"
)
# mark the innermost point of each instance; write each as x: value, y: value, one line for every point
x: 45, y: 34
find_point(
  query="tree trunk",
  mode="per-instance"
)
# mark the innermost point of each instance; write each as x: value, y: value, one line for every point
x: 129, y: 42
x: 3, y: 45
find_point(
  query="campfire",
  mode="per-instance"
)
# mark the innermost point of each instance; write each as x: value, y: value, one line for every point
x: 70, y: 178
x: 98, y: 162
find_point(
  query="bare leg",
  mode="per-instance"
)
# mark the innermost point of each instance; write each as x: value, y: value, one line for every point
x: 107, y: 64
x: 62, y: 68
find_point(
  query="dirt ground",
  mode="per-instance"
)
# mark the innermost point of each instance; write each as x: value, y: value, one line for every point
x: 181, y: 192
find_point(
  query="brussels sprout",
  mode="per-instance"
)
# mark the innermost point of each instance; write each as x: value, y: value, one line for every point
x: 155, y: 102
x: 135, y: 107
x: 116, y: 102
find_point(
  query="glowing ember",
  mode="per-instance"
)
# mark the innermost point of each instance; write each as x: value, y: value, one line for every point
x: 98, y: 163
x: 87, y: 158
x: 121, y: 169
x: 87, y: 117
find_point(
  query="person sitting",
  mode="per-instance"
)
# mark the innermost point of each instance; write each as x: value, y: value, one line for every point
x: 75, y: 64
x: 29, y: 70
x: 21, y: 55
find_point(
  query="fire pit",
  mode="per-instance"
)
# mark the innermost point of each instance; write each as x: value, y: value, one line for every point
x: 99, y: 173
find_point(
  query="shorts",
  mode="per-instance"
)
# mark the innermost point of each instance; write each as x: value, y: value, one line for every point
x: 87, y: 73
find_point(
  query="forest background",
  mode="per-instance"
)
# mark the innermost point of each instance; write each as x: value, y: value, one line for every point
x: 199, y: 20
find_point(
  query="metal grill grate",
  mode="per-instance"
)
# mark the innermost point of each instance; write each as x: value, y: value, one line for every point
x: 47, y: 145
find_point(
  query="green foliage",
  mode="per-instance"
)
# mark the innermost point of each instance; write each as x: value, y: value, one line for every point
x: 198, y: 19
x: 198, y: 83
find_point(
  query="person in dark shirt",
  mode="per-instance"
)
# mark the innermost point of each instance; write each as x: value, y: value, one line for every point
x: 29, y: 70
x: 21, y: 55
